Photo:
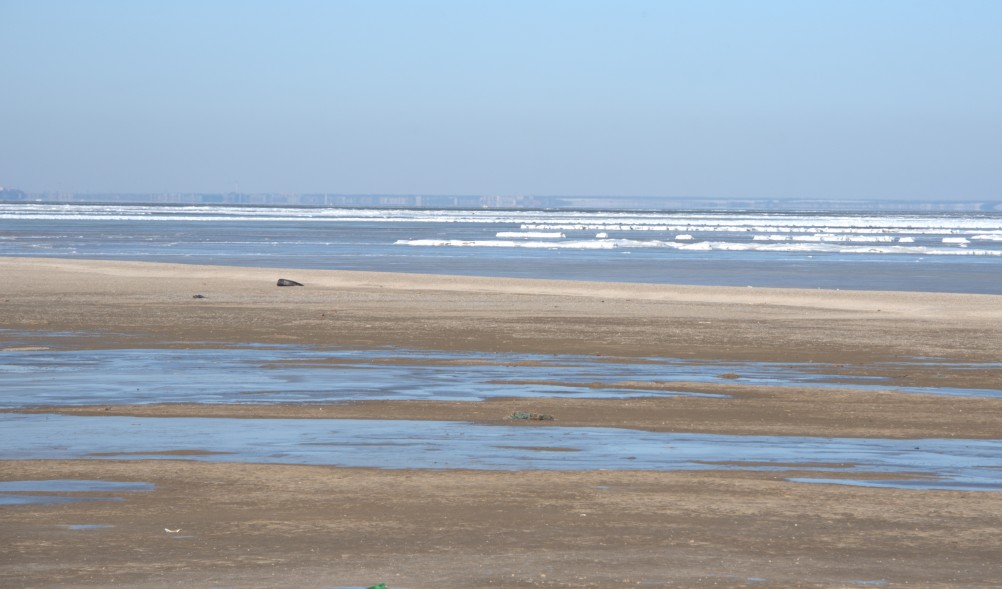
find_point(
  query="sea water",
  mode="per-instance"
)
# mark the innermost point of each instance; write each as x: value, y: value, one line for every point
x: 935, y: 252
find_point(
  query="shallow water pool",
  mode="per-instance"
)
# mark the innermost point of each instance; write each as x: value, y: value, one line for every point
x: 948, y: 464
x: 34, y: 377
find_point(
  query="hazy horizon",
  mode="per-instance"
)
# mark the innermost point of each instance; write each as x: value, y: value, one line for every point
x: 503, y: 202
x: 771, y: 100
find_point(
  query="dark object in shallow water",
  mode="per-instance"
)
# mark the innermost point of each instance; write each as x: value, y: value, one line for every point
x: 530, y: 416
x: 287, y: 282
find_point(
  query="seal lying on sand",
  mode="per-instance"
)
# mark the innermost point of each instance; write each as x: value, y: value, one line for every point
x: 287, y: 282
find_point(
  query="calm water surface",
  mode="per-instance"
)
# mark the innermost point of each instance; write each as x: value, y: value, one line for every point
x: 927, y: 464
x: 38, y: 375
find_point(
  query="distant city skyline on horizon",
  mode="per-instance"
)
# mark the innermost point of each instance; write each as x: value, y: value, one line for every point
x: 335, y: 200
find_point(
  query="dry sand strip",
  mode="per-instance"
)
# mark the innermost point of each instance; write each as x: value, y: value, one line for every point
x: 129, y: 301
x: 246, y: 525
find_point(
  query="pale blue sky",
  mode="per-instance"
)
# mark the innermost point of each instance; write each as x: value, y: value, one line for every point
x: 840, y: 99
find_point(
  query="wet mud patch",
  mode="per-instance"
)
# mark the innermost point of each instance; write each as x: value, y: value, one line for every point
x: 60, y: 491
x: 73, y: 486
x: 15, y: 499
x: 784, y: 465
x: 156, y: 453
x: 540, y: 448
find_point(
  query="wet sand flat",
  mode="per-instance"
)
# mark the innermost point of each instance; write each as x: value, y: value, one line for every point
x: 253, y: 525
x: 245, y: 525
x: 748, y: 412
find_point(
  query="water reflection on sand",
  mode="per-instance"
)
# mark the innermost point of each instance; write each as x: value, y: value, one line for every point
x: 947, y: 464
x: 313, y: 374
x: 49, y: 370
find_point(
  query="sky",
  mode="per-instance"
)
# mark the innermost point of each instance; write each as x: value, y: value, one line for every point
x: 836, y: 99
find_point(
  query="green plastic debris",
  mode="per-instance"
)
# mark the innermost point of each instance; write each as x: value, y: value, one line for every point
x: 379, y: 586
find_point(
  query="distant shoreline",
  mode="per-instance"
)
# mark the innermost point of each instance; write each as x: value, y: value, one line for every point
x: 509, y: 202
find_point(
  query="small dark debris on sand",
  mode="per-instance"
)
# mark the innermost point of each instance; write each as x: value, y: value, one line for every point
x: 526, y: 416
x: 198, y: 296
x: 287, y: 282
